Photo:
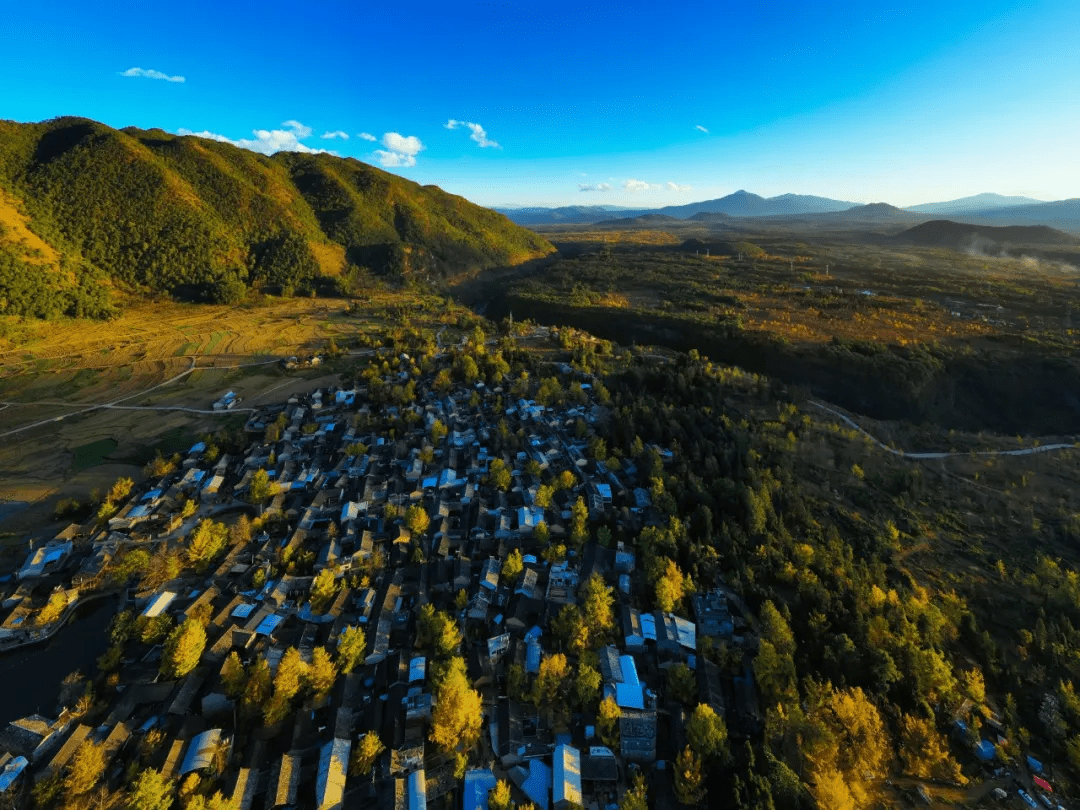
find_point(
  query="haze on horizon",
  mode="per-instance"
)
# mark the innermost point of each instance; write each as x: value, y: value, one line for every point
x: 550, y: 104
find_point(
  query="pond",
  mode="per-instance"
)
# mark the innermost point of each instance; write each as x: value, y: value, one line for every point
x: 32, y: 675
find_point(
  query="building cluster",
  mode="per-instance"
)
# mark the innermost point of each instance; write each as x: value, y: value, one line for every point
x: 341, y: 480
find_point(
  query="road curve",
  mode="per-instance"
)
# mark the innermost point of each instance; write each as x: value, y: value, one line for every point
x: 1027, y: 451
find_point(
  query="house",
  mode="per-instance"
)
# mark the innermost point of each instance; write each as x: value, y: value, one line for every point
x: 286, y: 786
x: 33, y: 736
x: 45, y: 559
x: 417, y: 790
x: 507, y: 733
x: 712, y: 614
x: 330, y: 779
x: 637, y: 734
x: 202, y: 751
x: 478, y: 784
x: 566, y: 777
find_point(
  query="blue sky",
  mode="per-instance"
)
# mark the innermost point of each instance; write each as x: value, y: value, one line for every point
x: 638, y: 104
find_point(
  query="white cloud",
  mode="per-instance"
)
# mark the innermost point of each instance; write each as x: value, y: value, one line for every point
x: 594, y: 187
x: 699, y: 126
x: 676, y: 187
x: 267, y: 141
x: 367, y: 136
x: 478, y: 133
x: 336, y: 134
x: 637, y: 185
x: 299, y: 129
x: 139, y: 73
x: 401, y: 150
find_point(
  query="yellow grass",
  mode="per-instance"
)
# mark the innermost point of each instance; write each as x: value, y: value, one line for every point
x: 18, y: 233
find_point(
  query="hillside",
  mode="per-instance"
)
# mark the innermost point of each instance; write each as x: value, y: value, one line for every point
x: 88, y: 207
x: 960, y: 236
x: 978, y: 202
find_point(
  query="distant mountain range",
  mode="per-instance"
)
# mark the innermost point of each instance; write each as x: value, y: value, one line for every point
x: 739, y: 204
x: 983, y: 209
x: 980, y: 202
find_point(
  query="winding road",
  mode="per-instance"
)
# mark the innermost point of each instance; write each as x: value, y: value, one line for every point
x: 115, y: 404
x: 1027, y: 451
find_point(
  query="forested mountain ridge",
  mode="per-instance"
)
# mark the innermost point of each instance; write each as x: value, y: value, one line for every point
x: 84, y: 207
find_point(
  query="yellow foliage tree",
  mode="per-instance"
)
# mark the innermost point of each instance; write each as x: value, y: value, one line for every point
x: 924, y: 751
x: 832, y: 793
x: 183, y: 649
x: 457, y: 717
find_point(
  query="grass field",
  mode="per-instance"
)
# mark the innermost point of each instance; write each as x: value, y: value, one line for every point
x: 92, y: 454
x: 55, y: 369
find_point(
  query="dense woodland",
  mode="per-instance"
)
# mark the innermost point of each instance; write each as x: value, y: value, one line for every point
x: 897, y: 354
x: 150, y: 211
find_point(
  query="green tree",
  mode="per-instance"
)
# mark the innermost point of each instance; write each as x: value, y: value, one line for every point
x: 86, y: 770
x: 597, y: 607
x: 689, y: 778
x: 206, y: 542
x: 257, y: 688
x: 570, y: 628
x: 541, y: 533
x: 435, y: 630
x: 323, y: 590
x: 259, y: 488
x: 350, y: 648
x: 240, y: 532
x: 637, y: 796
x: 608, y: 721
x: 233, y: 675
x: 586, y: 685
x: 681, y: 683
x: 551, y: 679
x: 513, y: 565
x: 499, y: 475
x: 438, y: 432
x: 367, y: 750
x: 579, y: 523
x: 323, y: 673
x: 291, y: 673
x: 151, y: 791
x: 119, y: 490
x: 706, y: 732
x: 183, y: 649
x: 669, y: 588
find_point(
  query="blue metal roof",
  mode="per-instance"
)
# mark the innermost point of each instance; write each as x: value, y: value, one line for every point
x: 268, y: 625
x: 537, y: 786
x: 478, y: 784
x: 532, y: 657
x: 417, y: 791
x: 11, y: 772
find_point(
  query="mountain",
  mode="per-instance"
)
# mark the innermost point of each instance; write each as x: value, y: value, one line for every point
x: 739, y: 204
x: 1063, y: 214
x: 85, y: 208
x: 985, y: 238
x: 566, y: 215
x: 979, y: 202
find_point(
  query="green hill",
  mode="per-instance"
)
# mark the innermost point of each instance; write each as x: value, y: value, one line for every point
x: 85, y: 209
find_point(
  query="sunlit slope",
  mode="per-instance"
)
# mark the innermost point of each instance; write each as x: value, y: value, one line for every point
x: 151, y: 210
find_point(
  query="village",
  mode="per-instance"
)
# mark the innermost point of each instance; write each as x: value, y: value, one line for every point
x: 409, y: 563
